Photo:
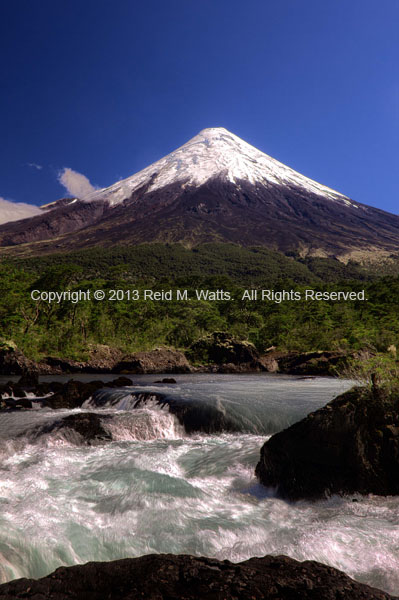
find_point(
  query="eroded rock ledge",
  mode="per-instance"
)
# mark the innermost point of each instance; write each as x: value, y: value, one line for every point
x: 184, y: 577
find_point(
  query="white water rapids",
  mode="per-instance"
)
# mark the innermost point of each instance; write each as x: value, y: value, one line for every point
x: 156, y: 489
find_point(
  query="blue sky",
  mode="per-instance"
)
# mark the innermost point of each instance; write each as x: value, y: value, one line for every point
x: 105, y: 88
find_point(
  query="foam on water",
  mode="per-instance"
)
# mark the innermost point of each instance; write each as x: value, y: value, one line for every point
x: 148, y: 424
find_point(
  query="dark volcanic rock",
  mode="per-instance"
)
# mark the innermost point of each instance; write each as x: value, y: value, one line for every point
x: 160, y: 360
x: 89, y: 426
x: 102, y: 359
x: 29, y: 380
x: 350, y: 445
x: 23, y: 403
x: 169, y: 577
x: 64, y: 365
x: 221, y: 348
x: 311, y: 363
x: 119, y: 382
x: 14, y: 362
x: 9, y: 404
x: 73, y: 394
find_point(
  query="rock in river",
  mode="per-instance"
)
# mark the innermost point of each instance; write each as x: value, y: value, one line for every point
x: 350, y: 445
x: 88, y: 426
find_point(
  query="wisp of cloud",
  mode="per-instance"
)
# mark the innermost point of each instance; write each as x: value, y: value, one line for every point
x: 76, y: 184
x: 14, y: 211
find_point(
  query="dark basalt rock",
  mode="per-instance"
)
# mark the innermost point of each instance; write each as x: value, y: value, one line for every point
x: 63, y: 365
x: 88, y: 425
x: 166, y: 380
x: 23, y: 403
x: 350, y: 445
x: 159, y: 360
x: 311, y: 363
x: 184, y: 577
x: 9, y: 404
x: 29, y: 380
x: 13, y: 361
x: 73, y: 394
x: 119, y: 382
x: 221, y: 348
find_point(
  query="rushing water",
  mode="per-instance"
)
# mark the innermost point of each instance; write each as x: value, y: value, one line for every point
x: 155, y: 488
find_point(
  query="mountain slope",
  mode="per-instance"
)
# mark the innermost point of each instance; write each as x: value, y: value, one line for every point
x: 216, y: 187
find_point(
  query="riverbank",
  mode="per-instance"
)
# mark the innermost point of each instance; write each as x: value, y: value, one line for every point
x: 219, y: 353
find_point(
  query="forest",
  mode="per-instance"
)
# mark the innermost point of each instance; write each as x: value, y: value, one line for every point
x: 69, y: 329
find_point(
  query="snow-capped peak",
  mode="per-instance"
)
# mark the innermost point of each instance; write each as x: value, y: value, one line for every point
x: 214, y: 152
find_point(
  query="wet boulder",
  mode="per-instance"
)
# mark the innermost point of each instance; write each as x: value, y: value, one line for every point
x: 89, y: 427
x: 171, y: 577
x: 351, y: 445
x: 119, y: 382
x: 73, y: 394
x: 15, y: 404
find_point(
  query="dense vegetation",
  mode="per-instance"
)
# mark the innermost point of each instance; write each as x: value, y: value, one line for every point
x: 69, y: 329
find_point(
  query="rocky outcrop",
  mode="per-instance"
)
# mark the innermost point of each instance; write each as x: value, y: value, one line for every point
x: 184, y: 577
x: 303, y: 363
x: 311, y: 363
x: 350, y: 445
x: 13, y: 361
x: 222, y: 349
x: 102, y: 359
x: 110, y: 360
x: 160, y: 360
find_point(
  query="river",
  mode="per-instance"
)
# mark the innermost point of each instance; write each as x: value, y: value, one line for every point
x: 157, y: 489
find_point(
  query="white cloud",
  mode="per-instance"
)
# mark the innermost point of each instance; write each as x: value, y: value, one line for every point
x: 75, y: 183
x: 35, y: 166
x: 14, y: 211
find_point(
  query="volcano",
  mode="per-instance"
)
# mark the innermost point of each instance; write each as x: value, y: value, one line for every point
x: 214, y: 188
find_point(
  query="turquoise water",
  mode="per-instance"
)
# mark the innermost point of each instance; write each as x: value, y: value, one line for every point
x: 157, y: 489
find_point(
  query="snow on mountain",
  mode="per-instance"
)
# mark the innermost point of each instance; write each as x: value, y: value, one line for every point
x: 215, y: 188
x: 214, y: 152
